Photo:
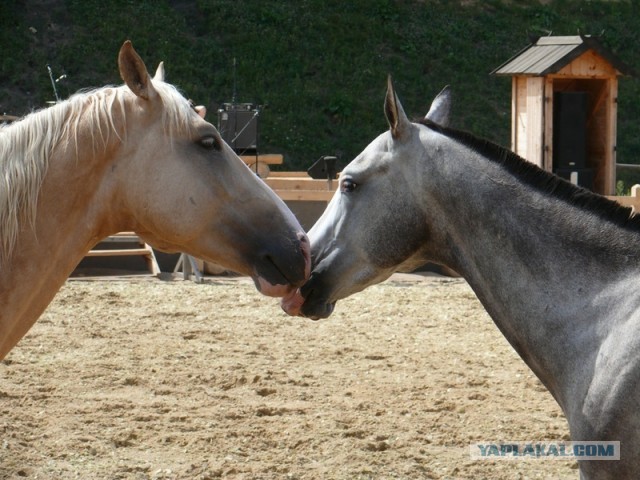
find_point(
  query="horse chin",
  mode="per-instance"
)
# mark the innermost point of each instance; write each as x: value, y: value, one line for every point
x: 316, y: 311
x: 271, y: 290
x: 295, y: 304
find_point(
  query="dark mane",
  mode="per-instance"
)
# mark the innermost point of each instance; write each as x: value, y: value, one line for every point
x: 542, y: 180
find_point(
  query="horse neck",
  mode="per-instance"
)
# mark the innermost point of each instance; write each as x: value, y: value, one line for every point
x: 74, y: 211
x: 543, y: 267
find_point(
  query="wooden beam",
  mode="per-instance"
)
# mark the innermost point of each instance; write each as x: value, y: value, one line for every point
x: 514, y: 114
x: 118, y: 252
x: 610, y: 157
x: 142, y: 249
x: 298, y: 183
x: 547, y: 154
x: 289, y: 174
x: 305, y: 195
x: 269, y: 159
x: 632, y: 200
x: 123, y: 237
x: 520, y: 119
x: 535, y: 117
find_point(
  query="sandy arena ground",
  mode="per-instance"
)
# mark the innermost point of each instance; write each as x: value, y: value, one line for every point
x: 151, y: 379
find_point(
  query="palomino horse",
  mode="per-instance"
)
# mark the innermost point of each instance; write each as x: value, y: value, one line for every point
x: 556, y: 267
x: 133, y: 158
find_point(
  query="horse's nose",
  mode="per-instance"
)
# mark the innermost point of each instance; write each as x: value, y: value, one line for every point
x: 294, y: 264
x: 282, y: 268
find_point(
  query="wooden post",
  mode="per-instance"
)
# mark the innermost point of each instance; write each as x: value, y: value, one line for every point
x: 535, y: 119
x: 632, y: 200
x: 610, y: 157
x: 547, y: 153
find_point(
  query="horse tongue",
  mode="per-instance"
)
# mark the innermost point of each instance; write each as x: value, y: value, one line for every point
x: 292, y: 303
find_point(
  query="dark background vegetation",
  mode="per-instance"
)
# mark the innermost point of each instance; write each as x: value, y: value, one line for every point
x: 319, y: 66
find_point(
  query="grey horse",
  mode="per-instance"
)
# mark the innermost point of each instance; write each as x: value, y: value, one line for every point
x: 555, y: 266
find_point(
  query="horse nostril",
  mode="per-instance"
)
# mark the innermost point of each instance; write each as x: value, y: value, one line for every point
x: 286, y: 263
x: 305, y: 244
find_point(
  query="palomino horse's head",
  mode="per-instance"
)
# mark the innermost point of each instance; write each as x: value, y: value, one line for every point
x: 183, y: 189
x: 375, y: 224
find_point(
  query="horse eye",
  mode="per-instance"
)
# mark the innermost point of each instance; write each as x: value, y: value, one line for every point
x: 348, y: 186
x: 210, y: 143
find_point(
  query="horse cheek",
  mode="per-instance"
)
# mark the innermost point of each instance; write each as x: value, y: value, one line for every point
x: 397, y: 235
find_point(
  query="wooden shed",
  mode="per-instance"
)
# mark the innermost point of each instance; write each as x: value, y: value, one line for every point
x: 564, y: 108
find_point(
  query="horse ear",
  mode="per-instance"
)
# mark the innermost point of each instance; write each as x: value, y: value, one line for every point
x: 134, y: 72
x: 398, y: 121
x: 440, y: 108
x: 201, y: 110
x: 159, y: 76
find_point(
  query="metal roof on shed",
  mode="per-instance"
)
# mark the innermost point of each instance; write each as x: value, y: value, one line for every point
x: 550, y: 54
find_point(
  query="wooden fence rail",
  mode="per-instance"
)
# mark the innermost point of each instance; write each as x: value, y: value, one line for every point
x: 632, y: 200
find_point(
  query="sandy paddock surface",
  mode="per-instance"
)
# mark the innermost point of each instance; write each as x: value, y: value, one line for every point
x: 150, y: 379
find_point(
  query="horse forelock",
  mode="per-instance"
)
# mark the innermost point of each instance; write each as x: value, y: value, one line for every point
x: 26, y: 145
x: 541, y: 180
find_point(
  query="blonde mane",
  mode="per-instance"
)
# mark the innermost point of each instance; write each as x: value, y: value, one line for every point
x: 26, y: 146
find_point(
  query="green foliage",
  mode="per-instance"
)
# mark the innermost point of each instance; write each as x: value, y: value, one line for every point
x: 319, y: 66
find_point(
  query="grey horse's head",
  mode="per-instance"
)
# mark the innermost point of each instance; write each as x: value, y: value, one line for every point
x: 376, y: 223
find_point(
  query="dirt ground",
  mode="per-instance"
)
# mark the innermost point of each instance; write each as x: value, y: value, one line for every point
x: 151, y: 379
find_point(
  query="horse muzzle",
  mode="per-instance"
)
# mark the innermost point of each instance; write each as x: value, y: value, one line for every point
x: 307, y: 301
x: 280, y: 270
